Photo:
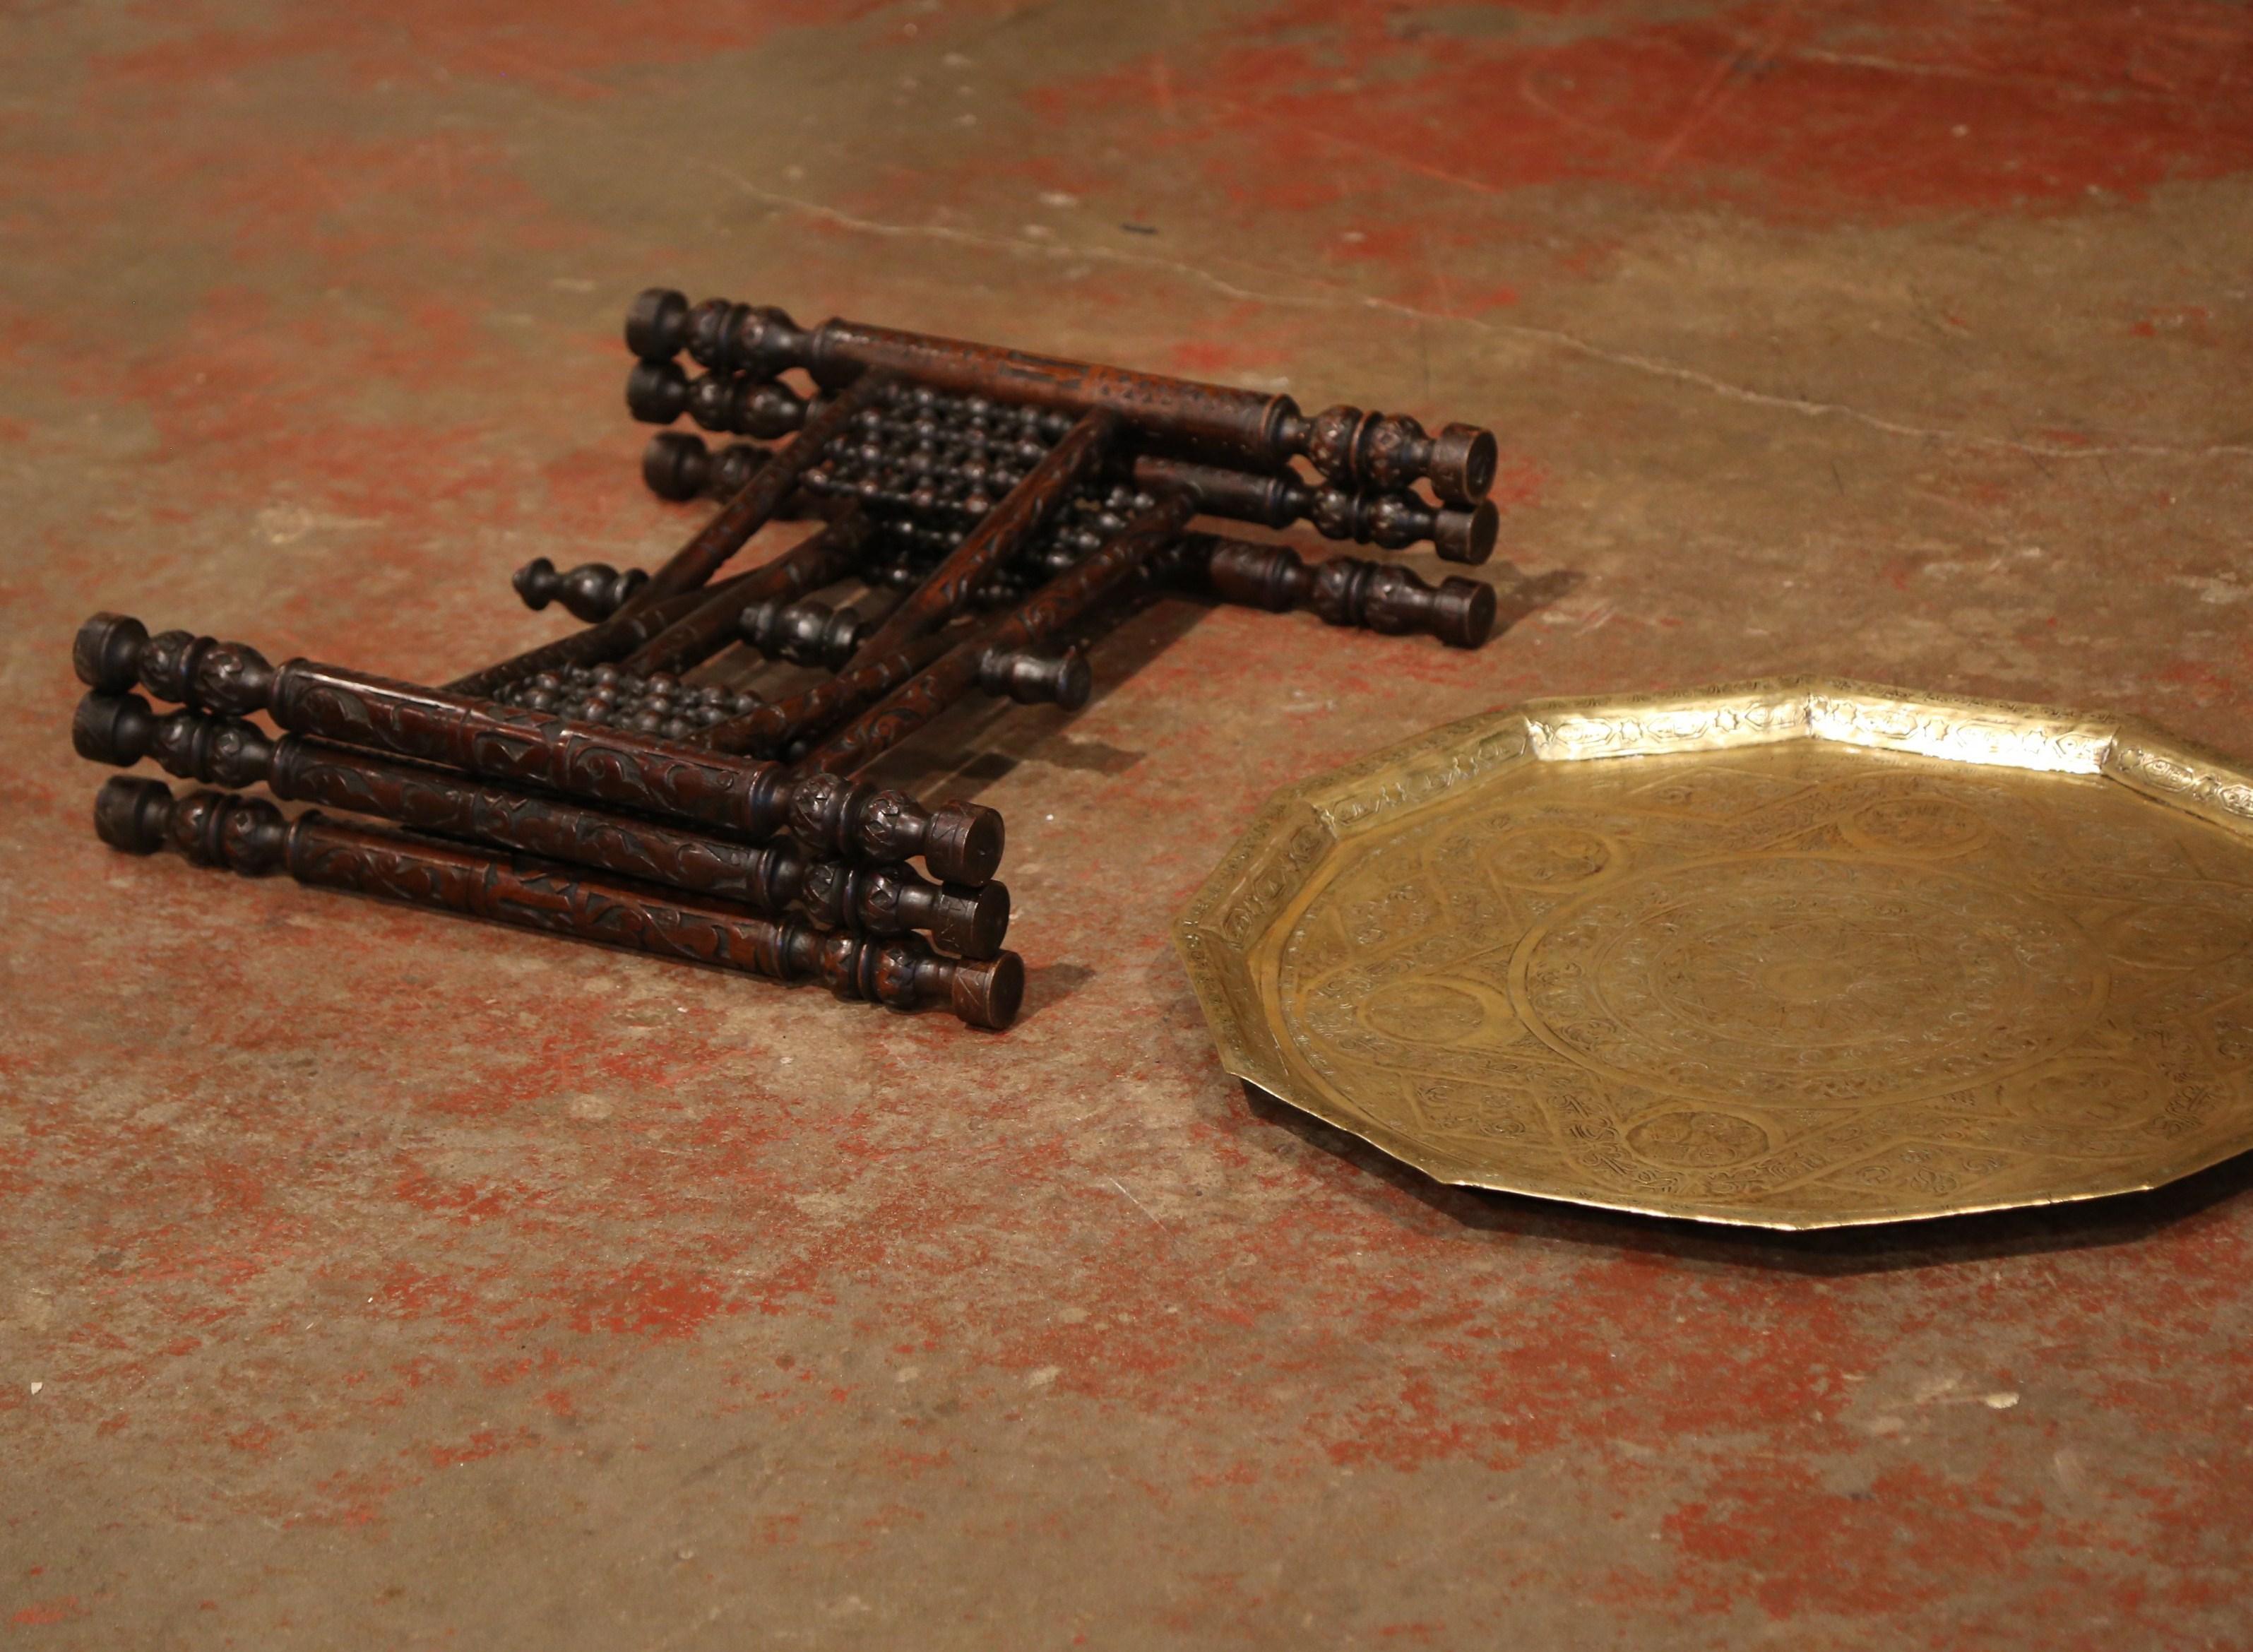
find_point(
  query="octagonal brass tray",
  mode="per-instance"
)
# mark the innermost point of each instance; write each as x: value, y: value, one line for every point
x: 1792, y: 953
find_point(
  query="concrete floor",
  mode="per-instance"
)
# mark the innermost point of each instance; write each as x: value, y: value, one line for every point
x: 371, y: 1279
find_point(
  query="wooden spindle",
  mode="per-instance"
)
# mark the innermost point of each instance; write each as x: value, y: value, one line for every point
x: 250, y: 836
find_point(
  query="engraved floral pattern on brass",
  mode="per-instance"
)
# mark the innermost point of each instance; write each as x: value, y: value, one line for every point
x: 1792, y: 954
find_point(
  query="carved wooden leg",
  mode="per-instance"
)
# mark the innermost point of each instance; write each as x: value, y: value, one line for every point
x: 769, y: 878
x: 1383, y: 451
x: 960, y: 842
x: 252, y: 837
x: 809, y: 632
x: 739, y: 403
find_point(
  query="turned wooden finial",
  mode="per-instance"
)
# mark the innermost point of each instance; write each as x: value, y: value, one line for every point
x: 1345, y: 590
x: 1033, y: 678
x: 678, y: 465
x: 1388, y: 451
x: 247, y: 835
x: 114, y: 651
x: 591, y: 592
x: 805, y: 633
x: 740, y: 403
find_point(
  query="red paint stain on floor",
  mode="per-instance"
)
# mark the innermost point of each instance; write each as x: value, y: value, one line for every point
x: 648, y: 1301
x: 1518, y: 482
x: 465, y: 1202
x: 2193, y: 321
x: 1884, y: 108
x: 1212, y: 357
x: 41, y: 1613
x: 569, y: 52
x: 1885, y: 1551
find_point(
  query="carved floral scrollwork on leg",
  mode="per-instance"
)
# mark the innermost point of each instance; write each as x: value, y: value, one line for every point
x: 960, y: 842
x: 252, y: 836
x: 768, y: 877
x: 1251, y: 427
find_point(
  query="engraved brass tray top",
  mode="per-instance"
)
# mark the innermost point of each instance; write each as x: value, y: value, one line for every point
x: 1792, y: 953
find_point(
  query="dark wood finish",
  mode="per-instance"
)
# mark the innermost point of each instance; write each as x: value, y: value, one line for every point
x: 678, y: 465
x: 1392, y: 521
x: 895, y: 470
x: 592, y: 591
x: 918, y: 514
x: 812, y: 633
x: 770, y: 730
x: 1028, y: 676
x: 1345, y: 590
x: 1243, y: 428
x: 660, y: 704
x: 890, y: 483
x: 770, y: 485
x: 252, y: 837
x: 960, y: 842
x: 584, y: 789
x: 740, y: 403
x: 1063, y: 600
x: 998, y: 536
x: 1038, y: 677
x: 616, y: 637
x: 121, y: 730
x: 612, y: 638
x: 937, y: 456
x: 822, y: 559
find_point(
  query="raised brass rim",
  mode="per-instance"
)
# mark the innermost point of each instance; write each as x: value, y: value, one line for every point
x: 1219, y: 936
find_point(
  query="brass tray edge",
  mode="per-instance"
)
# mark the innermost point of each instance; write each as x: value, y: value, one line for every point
x: 1474, y: 747
x: 1414, y: 1155
x: 1230, y: 910
x: 2181, y: 774
x: 1761, y: 711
